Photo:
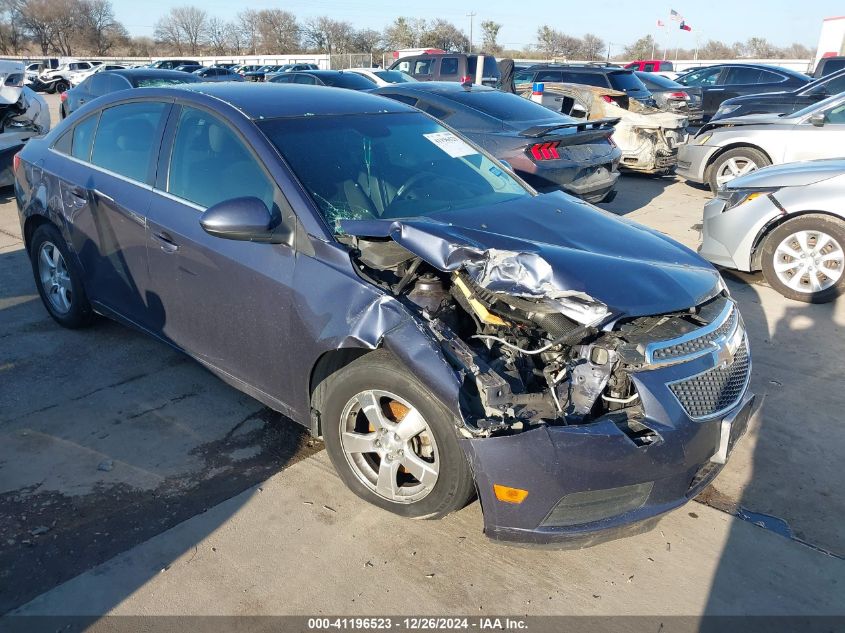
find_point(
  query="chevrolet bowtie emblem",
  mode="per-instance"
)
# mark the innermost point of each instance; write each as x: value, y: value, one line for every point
x: 726, y: 349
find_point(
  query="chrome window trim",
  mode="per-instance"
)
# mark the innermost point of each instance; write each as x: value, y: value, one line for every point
x: 108, y: 172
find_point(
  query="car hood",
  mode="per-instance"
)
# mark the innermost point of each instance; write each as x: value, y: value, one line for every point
x: 553, y: 245
x: 790, y: 174
x: 748, y: 119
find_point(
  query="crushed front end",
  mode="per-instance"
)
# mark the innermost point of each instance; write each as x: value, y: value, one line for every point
x: 578, y: 422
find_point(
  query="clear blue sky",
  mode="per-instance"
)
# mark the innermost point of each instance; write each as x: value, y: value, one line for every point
x: 619, y: 22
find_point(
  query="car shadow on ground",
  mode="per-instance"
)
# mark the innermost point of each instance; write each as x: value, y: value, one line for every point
x: 636, y: 191
x: 784, y: 475
x: 108, y: 437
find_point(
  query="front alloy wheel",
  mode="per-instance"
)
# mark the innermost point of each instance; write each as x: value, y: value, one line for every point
x: 389, y: 446
x: 390, y: 440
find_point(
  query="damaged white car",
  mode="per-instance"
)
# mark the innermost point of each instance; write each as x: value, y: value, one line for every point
x: 23, y: 114
x: 649, y: 138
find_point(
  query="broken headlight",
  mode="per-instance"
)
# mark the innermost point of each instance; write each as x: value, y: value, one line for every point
x: 735, y: 197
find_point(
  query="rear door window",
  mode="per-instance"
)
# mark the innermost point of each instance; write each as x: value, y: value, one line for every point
x: 304, y: 79
x: 739, y: 76
x: 705, y: 77
x: 423, y: 67
x: 548, y: 75
x: 649, y: 68
x: 523, y: 76
x: 767, y: 77
x: 625, y: 81
x: 587, y: 79
x: 210, y: 163
x: 448, y: 66
x: 127, y: 138
x: 98, y: 85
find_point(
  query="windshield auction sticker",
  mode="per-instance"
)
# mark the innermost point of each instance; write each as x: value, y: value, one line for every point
x: 450, y: 144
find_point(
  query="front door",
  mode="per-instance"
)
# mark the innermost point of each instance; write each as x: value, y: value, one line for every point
x: 226, y: 302
x: 809, y: 141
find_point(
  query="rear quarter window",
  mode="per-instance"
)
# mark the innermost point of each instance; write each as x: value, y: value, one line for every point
x: 83, y: 135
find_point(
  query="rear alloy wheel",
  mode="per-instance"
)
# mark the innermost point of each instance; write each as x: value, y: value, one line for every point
x: 804, y: 258
x: 735, y: 163
x: 58, y: 279
x: 61, y: 86
x: 391, y: 441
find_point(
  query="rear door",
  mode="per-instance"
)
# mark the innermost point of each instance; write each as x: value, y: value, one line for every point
x: 449, y: 69
x: 118, y: 147
x: 226, y: 302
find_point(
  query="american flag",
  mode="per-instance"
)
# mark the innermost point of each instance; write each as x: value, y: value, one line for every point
x: 676, y: 16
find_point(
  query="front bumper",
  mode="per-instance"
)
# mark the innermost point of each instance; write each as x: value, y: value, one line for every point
x: 693, y: 160
x: 597, y: 471
x: 728, y: 236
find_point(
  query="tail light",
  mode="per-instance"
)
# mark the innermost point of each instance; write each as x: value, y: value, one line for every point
x: 16, y: 161
x: 611, y: 141
x: 679, y: 95
x: 466, y: 80
x: 607, y: 99
x: 545, y: 151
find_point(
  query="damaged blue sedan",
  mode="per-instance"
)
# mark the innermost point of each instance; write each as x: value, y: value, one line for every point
x: 352, y: 263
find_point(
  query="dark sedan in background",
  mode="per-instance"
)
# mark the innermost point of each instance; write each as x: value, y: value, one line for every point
x: 108, y: 81
x: 725, y: 81
x: 672, y: 96
x: 258, y: 75
x: 333, y: 78
x: 548, y: 150
x: 785, y: 102
x: 216, y: 73
x: 399, y: 284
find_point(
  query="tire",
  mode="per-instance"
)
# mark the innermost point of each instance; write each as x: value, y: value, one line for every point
x: 374, y: 378
x: 739, y: 158
x: 824, y: 279
x: 58, y: 279
x: 61, y: 86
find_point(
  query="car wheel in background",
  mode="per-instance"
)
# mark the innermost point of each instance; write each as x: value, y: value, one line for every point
x: 58, y: 279
x: 803, y: 258
x: 61, y: 86
x: 734, y: 163
x: 390, y: 441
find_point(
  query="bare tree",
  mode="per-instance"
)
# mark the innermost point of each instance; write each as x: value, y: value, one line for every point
x: 404, y: 33
x: 217, y: 36
x: 554, y: 43
x: 367, y: 41
x: 443, y: 34
x: 250, y: 34
x: 326, y: 35
x: 641, y: 49
x: 183, y: 29
x: 490, y: 36
x: 592, y: 47
x: 100, y: 30
x: 278, y: 31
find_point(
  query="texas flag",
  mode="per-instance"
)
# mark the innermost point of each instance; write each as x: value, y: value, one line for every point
x: 685, y: 26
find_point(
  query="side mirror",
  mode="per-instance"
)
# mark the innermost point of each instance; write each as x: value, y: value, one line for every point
x: 818, y: 119
x: 246, y: 219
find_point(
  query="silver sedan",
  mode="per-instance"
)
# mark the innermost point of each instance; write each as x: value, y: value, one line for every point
x: 789, y: 222
x: 728, y: 148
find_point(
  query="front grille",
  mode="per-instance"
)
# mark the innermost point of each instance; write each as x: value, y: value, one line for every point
x: 717, y: 390
x: 705, y: 342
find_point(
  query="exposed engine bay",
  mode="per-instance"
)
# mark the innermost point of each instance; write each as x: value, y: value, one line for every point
x: 528, y: 352
x: 23, y: 114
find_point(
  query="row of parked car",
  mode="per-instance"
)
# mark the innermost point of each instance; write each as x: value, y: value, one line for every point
x: 591, y: 121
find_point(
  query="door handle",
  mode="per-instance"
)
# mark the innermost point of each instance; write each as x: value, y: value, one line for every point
x: 166, y: 242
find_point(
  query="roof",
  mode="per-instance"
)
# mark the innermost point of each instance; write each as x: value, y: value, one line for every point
x: 273, y: 100
x: 318, y: 73
x: 153, y: 73
x: 436, y: 87
x: 598, y: 67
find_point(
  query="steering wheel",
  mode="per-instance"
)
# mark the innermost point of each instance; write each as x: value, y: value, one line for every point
x: 409, y: 184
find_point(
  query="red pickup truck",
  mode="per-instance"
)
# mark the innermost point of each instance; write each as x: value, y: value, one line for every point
x: 651, y: 65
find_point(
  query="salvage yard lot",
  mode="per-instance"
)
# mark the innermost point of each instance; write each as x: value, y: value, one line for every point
x: 172, y: 493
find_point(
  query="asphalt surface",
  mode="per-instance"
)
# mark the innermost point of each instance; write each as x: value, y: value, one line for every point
x: 134, y: 482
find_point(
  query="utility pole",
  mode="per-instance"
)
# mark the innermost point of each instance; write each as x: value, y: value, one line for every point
x: 470, y: 16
